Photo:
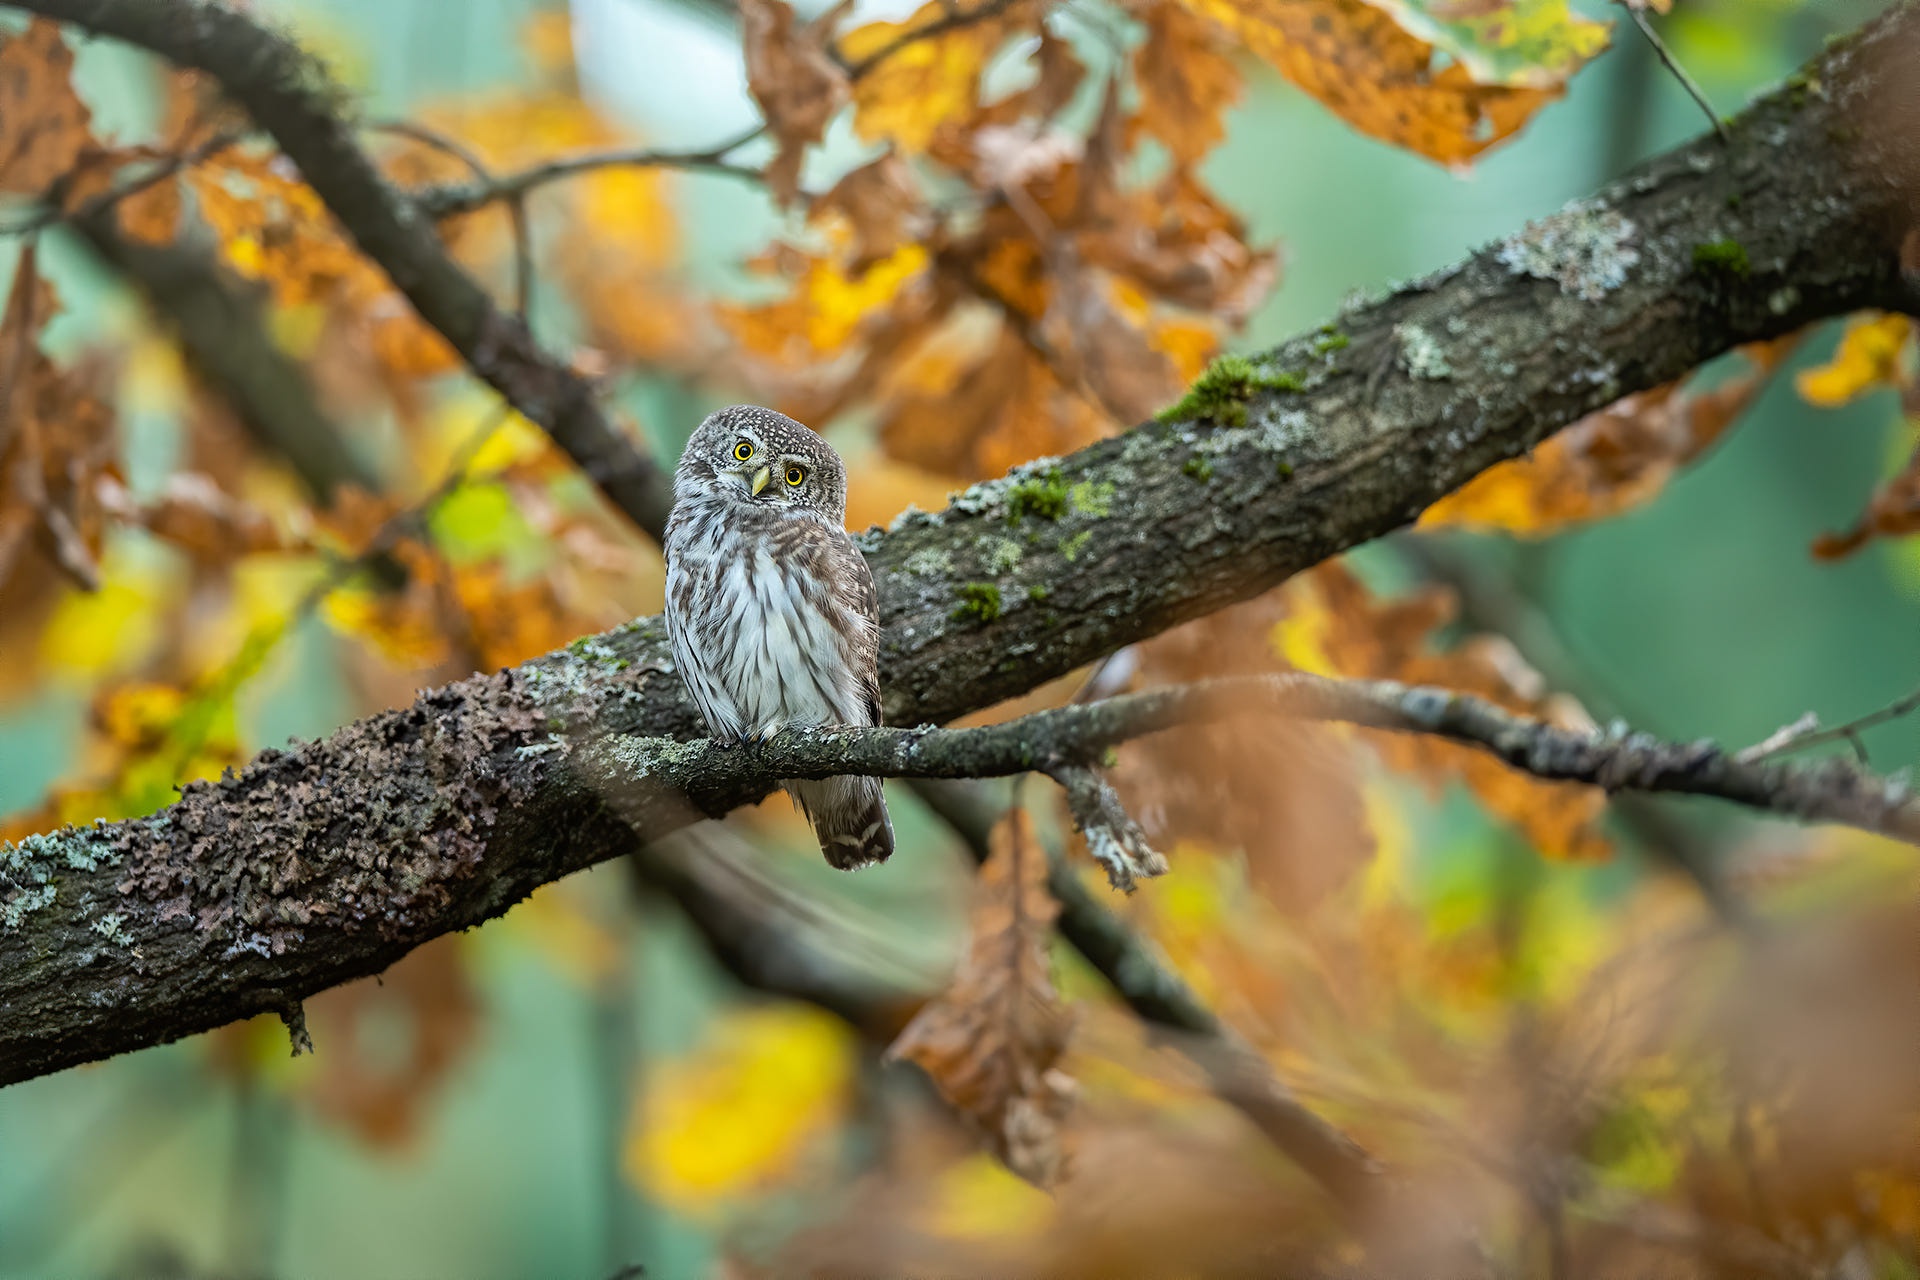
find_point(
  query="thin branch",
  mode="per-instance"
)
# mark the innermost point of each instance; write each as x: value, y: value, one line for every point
x: 953, y: 20
x: 516, y: 204
x: 53, y: 210
x: 446, y: 200
x: 1806, y: 731
x: 1638, y: 13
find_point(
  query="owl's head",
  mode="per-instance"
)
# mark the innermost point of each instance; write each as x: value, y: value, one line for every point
x: 765, y: 459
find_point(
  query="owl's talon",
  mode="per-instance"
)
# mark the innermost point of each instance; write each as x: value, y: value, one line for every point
x: 726, y: 743
x: 767, y: 733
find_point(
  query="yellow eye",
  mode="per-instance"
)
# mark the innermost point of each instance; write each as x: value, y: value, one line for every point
x: 795, y: 475
x: 743, y: 451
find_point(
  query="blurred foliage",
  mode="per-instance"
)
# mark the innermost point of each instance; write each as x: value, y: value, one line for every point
x: 976, y: 234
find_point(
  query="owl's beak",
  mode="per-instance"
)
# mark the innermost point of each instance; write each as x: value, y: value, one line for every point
x: 759, y: 480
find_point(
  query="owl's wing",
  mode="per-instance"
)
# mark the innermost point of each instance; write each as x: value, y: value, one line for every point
x: 828, y: 559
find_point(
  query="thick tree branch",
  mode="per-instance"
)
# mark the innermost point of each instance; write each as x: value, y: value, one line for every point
x: 329, y: 860
x: 290, y: 95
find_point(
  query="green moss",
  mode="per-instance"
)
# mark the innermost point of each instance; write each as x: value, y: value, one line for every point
x: 1038, y: 592
x: 1733, y: 199
x: 1330, y: 340
x: 979, y: 601
x: 1044, y: 497
x: 1198, y: 467
x: 1722, y: 258
x: 1072, y: 547
x: 1283, y: 469
x: 1220, y: 394
x: 1092, y: 499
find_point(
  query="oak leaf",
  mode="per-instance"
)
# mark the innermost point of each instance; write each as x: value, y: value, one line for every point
x: 1894, y: 512
x: 797, y: 85
x: 882, y: 208
x: 1377, y: 76
x: 928, y: 73
x: 44, y: 126
x: 992, y: 1041
x: 1187, y: 81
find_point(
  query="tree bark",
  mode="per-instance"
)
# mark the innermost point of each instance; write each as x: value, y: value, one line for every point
x: 328, y: 861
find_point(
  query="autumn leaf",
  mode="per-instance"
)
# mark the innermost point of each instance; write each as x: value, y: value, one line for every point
x: 56, y: 443
x: 43, y: 122
x: 1187, y: 81
x: 1610, y: 461
x: 1894, y: 512
x: 798, y: 86
x: 1377, y: 75
x: 1284, y: 793
x: 1869, y: 355
x: 882, y: 209
x: 929, y: 76
x: 992, y: 1041
x: 1339, y: 627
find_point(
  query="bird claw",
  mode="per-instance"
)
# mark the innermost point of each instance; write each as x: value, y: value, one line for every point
x: 767, y: 733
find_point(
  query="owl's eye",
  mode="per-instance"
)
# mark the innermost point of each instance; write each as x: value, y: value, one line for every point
x: 795, y: 475
x: 743, y: 451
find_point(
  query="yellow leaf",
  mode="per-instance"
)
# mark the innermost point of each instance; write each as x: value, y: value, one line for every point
x: 93, y: 633
x: 743, y: 1110
x: 923, y: 84
x: 1868, y: 357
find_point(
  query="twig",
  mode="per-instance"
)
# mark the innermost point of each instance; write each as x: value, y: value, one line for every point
x: 1672, y: 64
x: 1066, y: 738
x: 1113, y: 838
x: 53, y: 211
x: 516, y: 202
x: 952, y: 21
x: 449, y: 199
x: 1806, y: 731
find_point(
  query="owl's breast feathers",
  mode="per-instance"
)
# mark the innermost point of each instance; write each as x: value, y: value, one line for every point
x: 772, y: 619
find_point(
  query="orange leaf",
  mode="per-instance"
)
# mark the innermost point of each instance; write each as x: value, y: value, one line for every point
x: 1894, y: 512
x: 43, y: 122
x: 992, y: 1041
x: 1187, y: 81
x: 1610, y: 461
x: 1376, y: 76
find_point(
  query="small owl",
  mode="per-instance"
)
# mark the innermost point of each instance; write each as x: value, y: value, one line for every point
x: 771, y: 609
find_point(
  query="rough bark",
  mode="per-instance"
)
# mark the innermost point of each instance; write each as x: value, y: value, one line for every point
x: 328, y: 861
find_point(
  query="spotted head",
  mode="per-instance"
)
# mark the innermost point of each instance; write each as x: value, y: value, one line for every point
x: 764, y: 460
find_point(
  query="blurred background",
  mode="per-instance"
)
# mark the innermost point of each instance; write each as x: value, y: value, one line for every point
x: 579, y: 1087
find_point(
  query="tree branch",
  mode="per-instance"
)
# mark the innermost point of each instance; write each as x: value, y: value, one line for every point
x: 291, y: 96
x: 330, y: 860
x: 1065, y: 741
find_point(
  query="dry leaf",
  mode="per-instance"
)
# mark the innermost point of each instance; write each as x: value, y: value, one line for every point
x: 1894, y: 512
x: 926, y: 82
x: 43, y: 123
x: 1339, y: 627
x: 798, y: 87
x: 1610, y: 461
x: 1284, y: 792
x: 1187, y: 81
x: 1376, y: 76
x: 992, y: 1040
x: 882, y: 207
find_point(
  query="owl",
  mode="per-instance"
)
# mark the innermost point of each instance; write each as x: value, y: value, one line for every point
x: 771, y: 609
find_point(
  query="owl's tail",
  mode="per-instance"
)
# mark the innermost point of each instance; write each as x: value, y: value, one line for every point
x: 849, y: 815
